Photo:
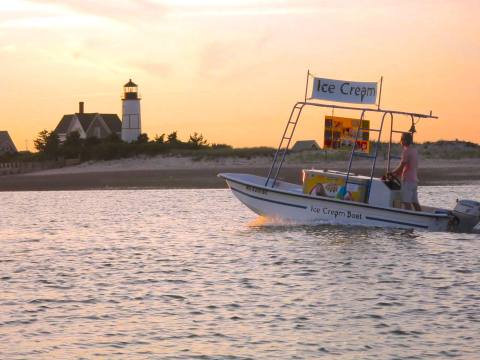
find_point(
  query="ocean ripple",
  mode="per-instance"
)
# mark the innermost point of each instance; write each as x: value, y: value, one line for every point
x: 192, y: 274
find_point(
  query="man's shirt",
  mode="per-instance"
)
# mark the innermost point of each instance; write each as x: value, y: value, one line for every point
x: 410, y: 158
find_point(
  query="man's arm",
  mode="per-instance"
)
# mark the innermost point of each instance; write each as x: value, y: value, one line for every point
x: 398, y: 170
x: 403, y: 161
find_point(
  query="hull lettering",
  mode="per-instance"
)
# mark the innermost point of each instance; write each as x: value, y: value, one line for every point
x: 336, y: 213
x: 256, y: 190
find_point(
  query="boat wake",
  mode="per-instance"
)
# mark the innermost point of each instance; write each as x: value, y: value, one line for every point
x: 267, y: 221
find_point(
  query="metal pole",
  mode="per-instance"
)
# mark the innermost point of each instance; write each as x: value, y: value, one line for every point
x: 306, y: 86
x: 280, y: 145
x: 352, y: 154
x: 380, y: 94
x: 287, y: 145
x: 367, y: 197
x: 396, y: 112
x: 390, y: 144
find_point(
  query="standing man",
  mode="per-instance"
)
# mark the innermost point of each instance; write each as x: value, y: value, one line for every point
x: 407, y: 169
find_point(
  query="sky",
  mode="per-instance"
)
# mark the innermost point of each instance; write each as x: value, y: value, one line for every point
x: 233, y: 69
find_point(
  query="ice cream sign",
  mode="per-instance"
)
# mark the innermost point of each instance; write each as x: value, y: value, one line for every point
x: 344, y: 91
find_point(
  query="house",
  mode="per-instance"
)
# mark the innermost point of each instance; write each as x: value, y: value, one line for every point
x: 305, y: 145
x: 89, y: 125
x: 6, y: 143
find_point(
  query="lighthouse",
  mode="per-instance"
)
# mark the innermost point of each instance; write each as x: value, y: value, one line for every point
x: 131, y: 122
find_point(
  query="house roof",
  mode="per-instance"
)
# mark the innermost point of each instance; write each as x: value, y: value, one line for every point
x: 63, y: 125
x: 6, y: 141
x: 111, y: 120
x: 85, y: 119
x: 305, y: 145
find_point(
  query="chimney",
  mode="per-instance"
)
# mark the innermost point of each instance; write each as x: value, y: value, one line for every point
x: 80, y: 106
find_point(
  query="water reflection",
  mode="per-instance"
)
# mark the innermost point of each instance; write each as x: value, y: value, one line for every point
x: 153, y: 274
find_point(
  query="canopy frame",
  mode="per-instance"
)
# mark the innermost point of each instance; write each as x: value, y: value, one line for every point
x: 294, y: 118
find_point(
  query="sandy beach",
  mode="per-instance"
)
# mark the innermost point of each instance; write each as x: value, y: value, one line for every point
x: 182, y: 172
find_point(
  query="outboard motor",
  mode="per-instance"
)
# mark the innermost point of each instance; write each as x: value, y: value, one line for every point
x: 468, y: 214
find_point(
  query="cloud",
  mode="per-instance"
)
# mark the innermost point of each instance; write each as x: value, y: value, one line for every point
x: 216, y: 59
x: 10, y: 48
x: 139, y: 12
x: 155, y: 68
x: 213, y: 8
x: 44, y: 14
x: 220, y: 59
x: 120, y: 10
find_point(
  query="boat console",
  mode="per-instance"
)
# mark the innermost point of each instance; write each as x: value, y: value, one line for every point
x: 332, y: 184
x: 383, y: 192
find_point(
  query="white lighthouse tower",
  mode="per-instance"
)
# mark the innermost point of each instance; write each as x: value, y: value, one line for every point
x: 131, y: 122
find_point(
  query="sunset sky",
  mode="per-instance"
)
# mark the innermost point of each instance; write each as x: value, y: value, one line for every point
x: 232, y: 69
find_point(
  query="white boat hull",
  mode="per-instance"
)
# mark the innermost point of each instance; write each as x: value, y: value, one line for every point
x: 287, y: 202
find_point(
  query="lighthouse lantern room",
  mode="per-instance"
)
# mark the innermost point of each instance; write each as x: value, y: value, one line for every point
x: 131, y: 120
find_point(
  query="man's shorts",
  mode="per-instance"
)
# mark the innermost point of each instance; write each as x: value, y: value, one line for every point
x: 409, y: 192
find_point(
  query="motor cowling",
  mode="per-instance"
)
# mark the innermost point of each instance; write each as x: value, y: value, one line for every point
x: 468, y: 214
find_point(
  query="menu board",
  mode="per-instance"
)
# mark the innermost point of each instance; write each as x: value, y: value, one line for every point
x: 340, y: 134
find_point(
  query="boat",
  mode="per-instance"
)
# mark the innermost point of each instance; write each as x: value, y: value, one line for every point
x: 344, y: 197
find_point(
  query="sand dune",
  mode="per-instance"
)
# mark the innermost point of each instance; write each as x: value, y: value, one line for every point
x: 186, y: 163
x: 184, y: 172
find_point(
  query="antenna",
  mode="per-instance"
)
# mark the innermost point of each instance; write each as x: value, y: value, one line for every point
x: 306, y: 85
x: 380, y: 94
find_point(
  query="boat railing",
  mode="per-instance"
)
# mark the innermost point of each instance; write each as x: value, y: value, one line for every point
x: 284, y: 145
x: 288, y: 133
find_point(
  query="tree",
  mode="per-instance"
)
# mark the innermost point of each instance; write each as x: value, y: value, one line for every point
x: 142, y: 139
x: 113, y: 138
x: 92, y: 141
x: 197, y: 140
x: 47, y: 143
x: 159, y: 139
x: 73, y: 140
x: 52, y: 146
x: 41, y: 141
x: 172, y: 138
x: 221, y: 146
x: 72, y: 146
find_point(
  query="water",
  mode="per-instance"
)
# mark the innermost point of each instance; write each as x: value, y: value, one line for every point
x: 185, y: 274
